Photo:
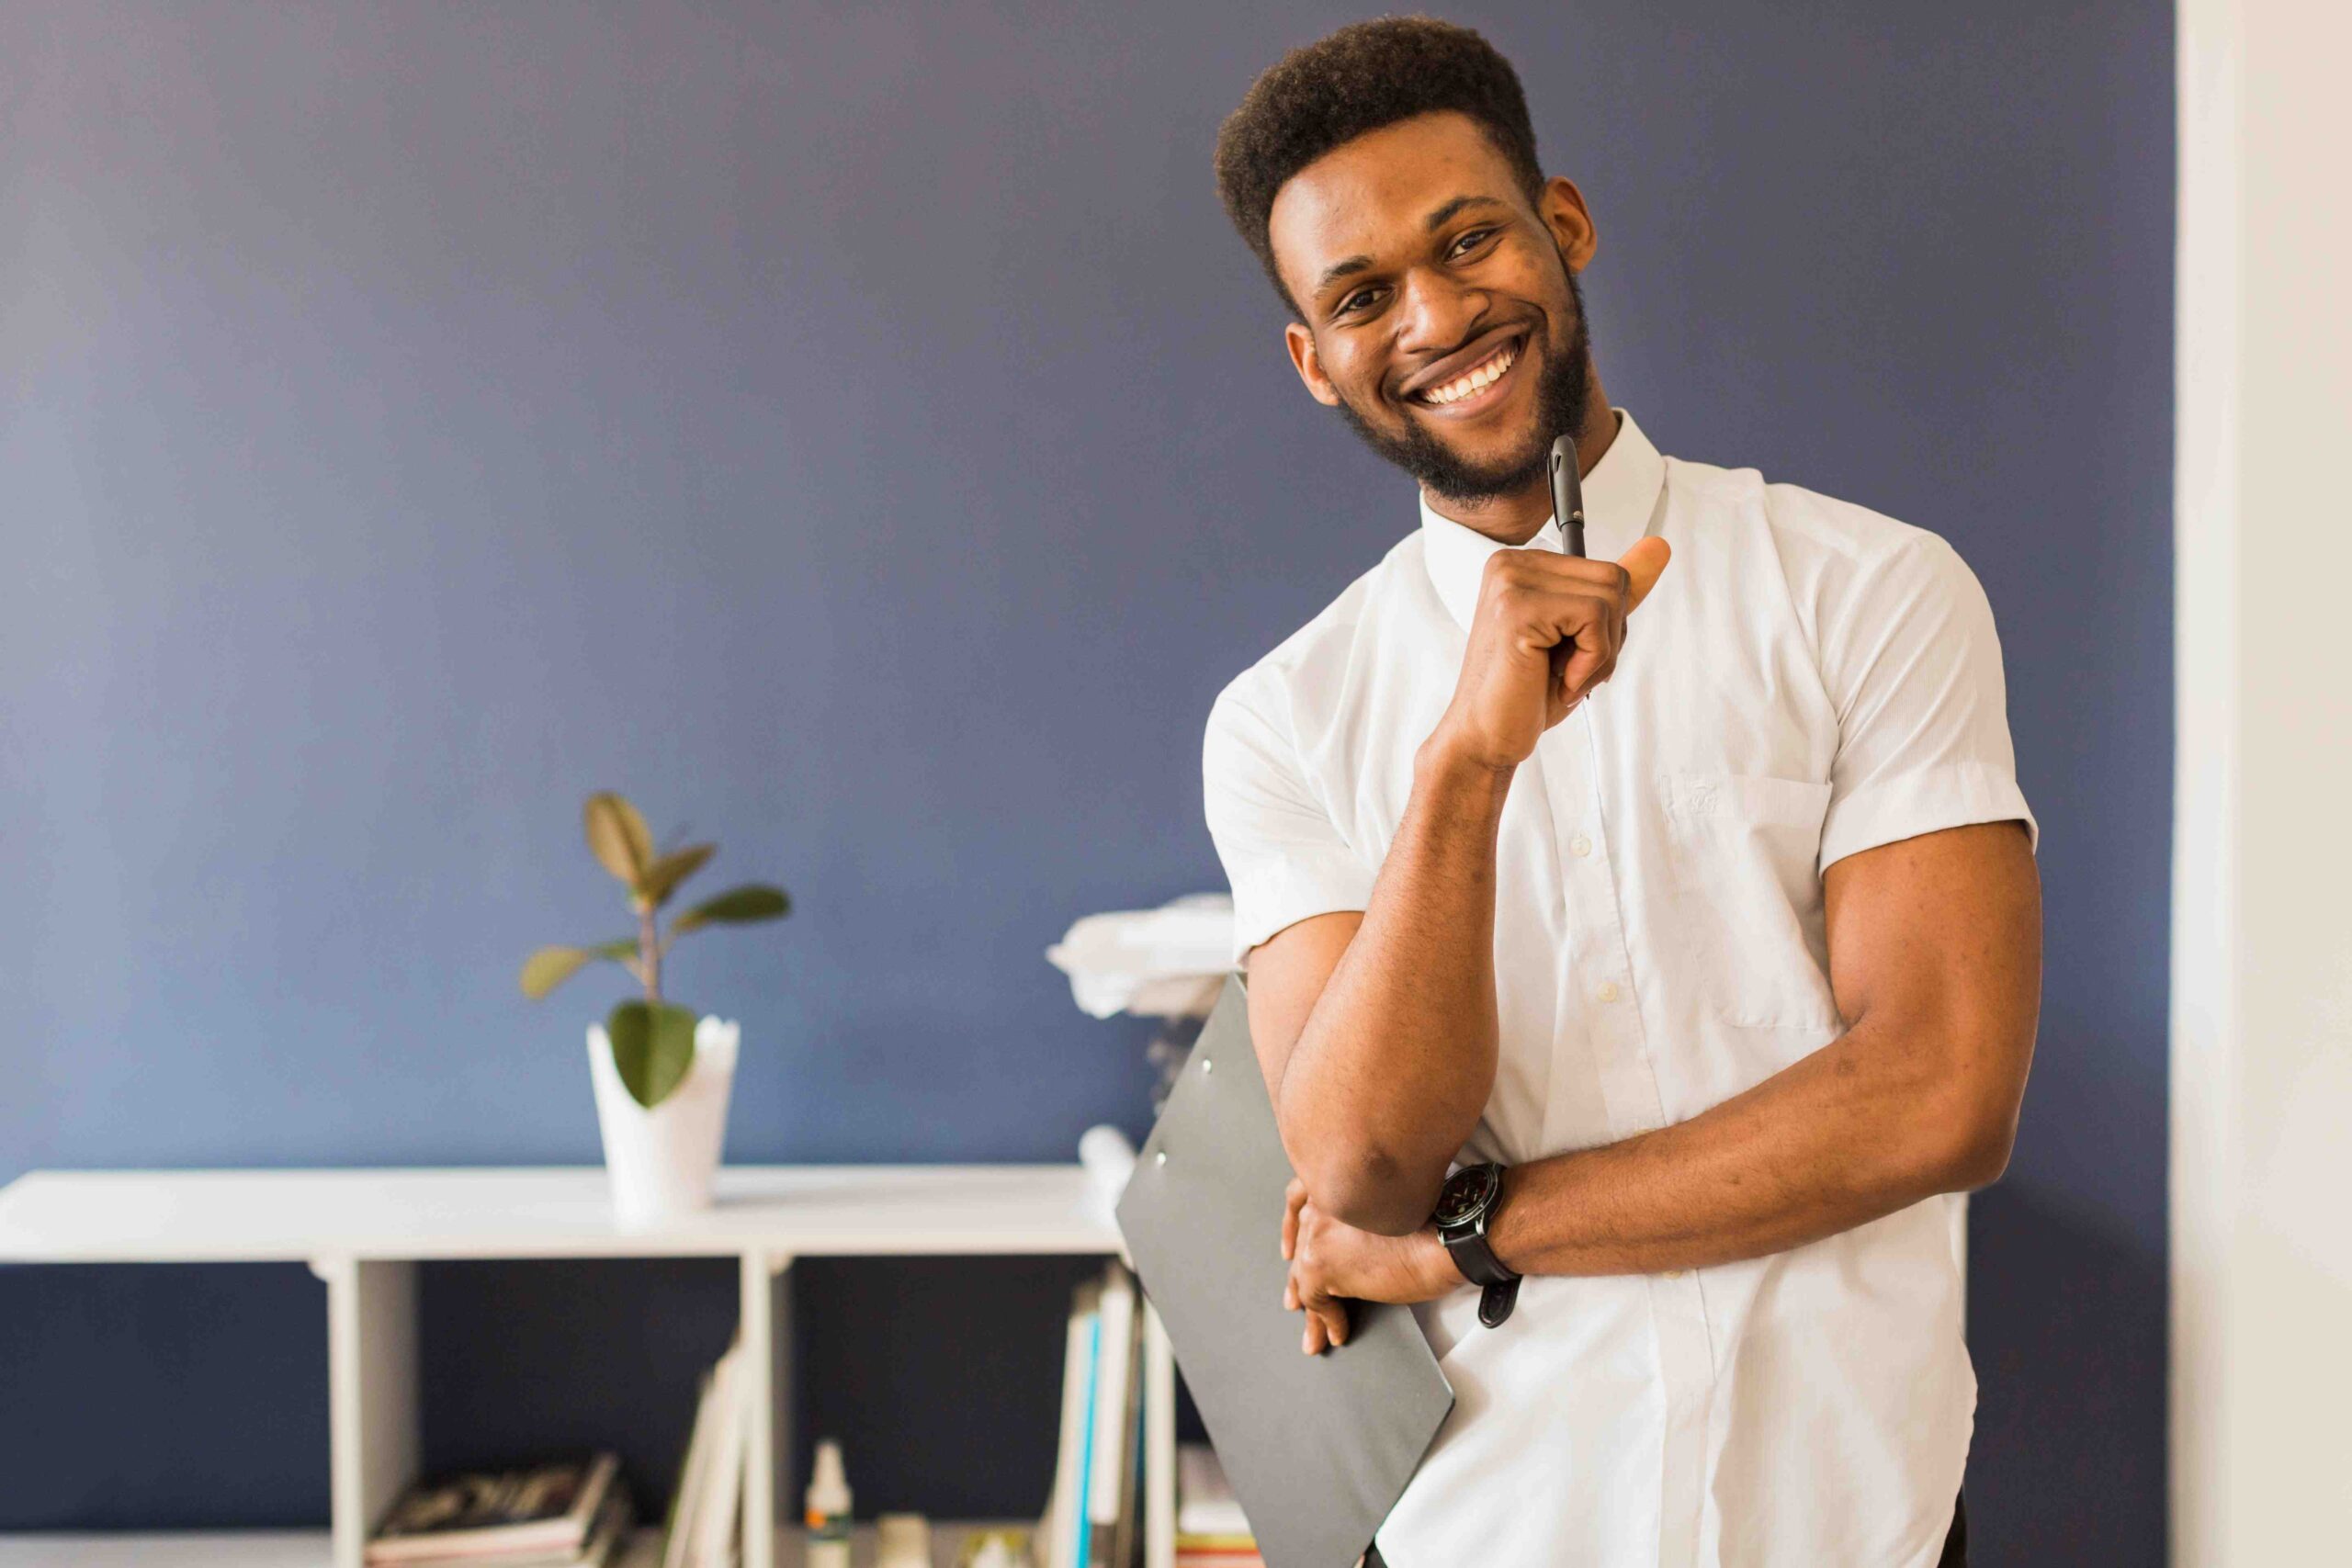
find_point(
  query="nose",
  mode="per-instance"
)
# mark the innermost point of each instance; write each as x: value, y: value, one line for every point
x: 1438, y: 312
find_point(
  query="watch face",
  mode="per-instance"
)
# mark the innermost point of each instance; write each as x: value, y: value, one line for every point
x: 1467, y: 1194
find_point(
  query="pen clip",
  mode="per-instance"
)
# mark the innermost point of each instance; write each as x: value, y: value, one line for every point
x: 1567, y: 494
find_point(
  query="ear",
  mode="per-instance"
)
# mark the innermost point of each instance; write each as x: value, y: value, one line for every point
x: 1309, y: 366
x: 1561, y: 205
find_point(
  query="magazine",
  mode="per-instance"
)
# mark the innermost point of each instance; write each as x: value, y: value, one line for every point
x: 497, y: 1514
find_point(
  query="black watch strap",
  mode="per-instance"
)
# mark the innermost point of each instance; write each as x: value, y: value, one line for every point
x: 1476, y: 1259
x: 1495, y: 1301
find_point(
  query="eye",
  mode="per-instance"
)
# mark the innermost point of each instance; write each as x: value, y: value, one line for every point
x: 1361, y: 299
x: 1474, y: 237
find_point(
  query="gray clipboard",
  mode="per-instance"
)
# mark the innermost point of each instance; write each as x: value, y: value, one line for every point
x: 1317, y: 1448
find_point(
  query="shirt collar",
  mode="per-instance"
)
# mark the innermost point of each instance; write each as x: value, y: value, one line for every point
x: 1619, y: 495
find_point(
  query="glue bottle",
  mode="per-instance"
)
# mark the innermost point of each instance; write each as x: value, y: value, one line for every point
x: 829, y: 1509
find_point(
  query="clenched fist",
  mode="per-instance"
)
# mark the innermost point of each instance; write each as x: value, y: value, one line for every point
x: 1547, y: 630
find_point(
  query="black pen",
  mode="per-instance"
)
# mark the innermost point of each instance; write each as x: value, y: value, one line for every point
x: 1567, y: 495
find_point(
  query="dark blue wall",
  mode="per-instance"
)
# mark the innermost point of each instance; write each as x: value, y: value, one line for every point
x: 853, y: 431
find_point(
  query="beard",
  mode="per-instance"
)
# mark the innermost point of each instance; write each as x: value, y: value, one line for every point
x: 1562, y: 395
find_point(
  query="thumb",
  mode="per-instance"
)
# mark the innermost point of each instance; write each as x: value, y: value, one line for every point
x: 1643, y: 564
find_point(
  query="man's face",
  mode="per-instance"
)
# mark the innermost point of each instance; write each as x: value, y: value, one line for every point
x: 1441, y: 311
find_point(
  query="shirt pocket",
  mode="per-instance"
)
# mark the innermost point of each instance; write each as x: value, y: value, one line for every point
x: 1746, y: 852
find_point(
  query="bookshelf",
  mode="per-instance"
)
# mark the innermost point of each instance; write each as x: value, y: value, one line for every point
x: 312, y: 1548
x: 364, y: 1232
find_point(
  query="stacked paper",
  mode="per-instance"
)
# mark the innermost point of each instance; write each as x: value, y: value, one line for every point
x: 1163, y: 962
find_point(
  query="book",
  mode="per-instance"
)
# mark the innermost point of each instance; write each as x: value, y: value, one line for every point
x: 496, y: 1514
x: 603, y: 1539
x: 1159, y: 1445
x: 1082, y: 1511
x: 1126, y: 1529
x: 1097, y: 1506
x: 1205, y: 1505
x: 677, y: 1525
x: 1066, y: 1509
x: 1118, y: 1308
x: 716, y: 1528
x: 611, y: 1530
x: 1103, y: 1476
x: 702, y: 1529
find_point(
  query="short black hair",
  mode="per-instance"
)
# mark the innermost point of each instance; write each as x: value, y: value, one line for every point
x: 1364, y: 76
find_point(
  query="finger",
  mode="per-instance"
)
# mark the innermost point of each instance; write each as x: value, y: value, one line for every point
x: 1604, y: 667
x: 1292, y: 1201
x: 1314, y: 1341
x: 1550, y: 570
x: 1597, y: 636
x: 1290, y: 1295
x: 1334, y: 1313
x: 1643, y: 564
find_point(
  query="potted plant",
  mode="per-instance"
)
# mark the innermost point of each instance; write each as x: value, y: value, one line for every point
x: 662, y: 1078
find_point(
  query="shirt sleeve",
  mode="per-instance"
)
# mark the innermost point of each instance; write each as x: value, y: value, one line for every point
x: 1283, y: 854
x: 1913, y: 664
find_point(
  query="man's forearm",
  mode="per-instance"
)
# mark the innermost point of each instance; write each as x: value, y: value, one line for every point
x: 1395, y: 1062
x: 1856, y: 1130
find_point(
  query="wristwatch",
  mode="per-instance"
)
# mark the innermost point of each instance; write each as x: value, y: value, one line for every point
x: 1465, y: 1208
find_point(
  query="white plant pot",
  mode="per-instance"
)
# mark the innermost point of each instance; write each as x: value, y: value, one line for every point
x: 663, y: 1162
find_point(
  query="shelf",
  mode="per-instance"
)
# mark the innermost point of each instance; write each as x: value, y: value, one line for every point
x: 313, y: 1548
x: 209, y: 1549
x: 946, y: 1537
x: 365, y: 1233
x: 298, y: 1216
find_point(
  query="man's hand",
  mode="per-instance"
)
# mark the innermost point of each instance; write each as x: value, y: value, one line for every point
x: 1546, y: 631
x: 1332, y: 1262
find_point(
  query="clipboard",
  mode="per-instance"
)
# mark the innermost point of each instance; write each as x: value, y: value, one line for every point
x: 1317, y: 1448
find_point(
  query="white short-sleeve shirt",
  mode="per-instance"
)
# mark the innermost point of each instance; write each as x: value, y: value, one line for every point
x: 1809, y: 679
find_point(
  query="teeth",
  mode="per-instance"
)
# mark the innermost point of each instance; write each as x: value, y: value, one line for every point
x: 1476, y: 381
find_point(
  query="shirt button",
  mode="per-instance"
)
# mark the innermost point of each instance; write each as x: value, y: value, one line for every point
x: 1608, y: 991
x: 1580, y: 845
x: 1673, y: 1274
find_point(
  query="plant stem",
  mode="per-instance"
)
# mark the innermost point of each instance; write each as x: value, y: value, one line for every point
x: 649, y: 949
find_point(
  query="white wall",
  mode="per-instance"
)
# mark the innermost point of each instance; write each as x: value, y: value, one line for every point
x: 2262, y: 926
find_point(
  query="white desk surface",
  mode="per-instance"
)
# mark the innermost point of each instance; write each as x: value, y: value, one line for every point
x: 303, y: 1215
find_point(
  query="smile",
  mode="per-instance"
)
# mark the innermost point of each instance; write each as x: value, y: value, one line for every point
x: 1473, y: 388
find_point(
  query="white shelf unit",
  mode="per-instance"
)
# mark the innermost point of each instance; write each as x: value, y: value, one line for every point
x: 364, y: 1232
x: 313, y: 1548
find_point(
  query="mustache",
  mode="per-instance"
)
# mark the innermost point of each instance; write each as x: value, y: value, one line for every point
x: 1538, y: 325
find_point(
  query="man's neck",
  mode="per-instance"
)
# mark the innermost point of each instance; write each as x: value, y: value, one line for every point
x: 1514, y: 517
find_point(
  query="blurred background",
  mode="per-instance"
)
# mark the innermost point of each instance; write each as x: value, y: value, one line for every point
x: 854, y: 432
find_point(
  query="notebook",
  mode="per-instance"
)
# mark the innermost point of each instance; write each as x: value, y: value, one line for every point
x: 1317, y: 1448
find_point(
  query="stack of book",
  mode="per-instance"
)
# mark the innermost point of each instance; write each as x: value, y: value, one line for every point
x: 1095, y: 1519
x: 570, y: 1515
x: 1211, y: 1531
x: 577, y: 1514
x: 705, y: 1527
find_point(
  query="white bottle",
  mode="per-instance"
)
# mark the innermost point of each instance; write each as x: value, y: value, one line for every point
x: 829, y: 1509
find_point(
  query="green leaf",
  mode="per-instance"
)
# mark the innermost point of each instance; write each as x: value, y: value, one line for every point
x: 550, y: 967
x: 661, y: 878
x: 622, y: 843
x: 653, y: 1046
x: 736, y: 906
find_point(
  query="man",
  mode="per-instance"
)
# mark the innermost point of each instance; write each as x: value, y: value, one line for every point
x: 1690, y: 909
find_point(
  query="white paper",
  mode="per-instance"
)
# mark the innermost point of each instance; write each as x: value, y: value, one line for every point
x: 1163, y: 962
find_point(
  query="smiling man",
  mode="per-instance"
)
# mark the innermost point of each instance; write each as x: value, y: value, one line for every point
x: 1640, y: 951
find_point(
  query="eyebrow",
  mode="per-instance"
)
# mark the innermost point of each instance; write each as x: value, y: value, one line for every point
x: 1437, y: 219
x: 1435, y: 222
